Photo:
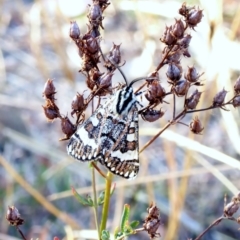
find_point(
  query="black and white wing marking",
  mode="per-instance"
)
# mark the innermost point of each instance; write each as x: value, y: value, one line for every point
x: 109, y: 137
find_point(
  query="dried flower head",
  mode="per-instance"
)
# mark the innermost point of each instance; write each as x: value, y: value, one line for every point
x: 155, y: 92
x: 196, y: 126
x: 231, y: 208
x: 74, y: 31
x: 237, y: 86
x: 181, y: 87
x: 168, y: 37
x: 236, y: 101
x: 78, y: 103
x: 194, y: 17
x: 152, y: 221
x: 174, y: 72
x: 13, y: 216
x: 192, y: 101
x: 49, y: 90
x: 151, y: 115
x: 67, y: 127
x: 178, y: 29
x: 219, y: 98
x: 191, y: 75
x: 51, y: 110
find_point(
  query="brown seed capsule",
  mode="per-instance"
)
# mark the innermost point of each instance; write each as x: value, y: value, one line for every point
x: 191, y: 75
x: 49, y: 89
x: 236, y: 101
x: 151, y: 115
x: 155, y: 92
x: 151, y: 227
x: 231, y: 208
x: 184, y: 42
x: 91, y: 45
x: 178, y: 29
x: 78, y: 103
x: 95, y: 11
x: 13, y: 216
x: 196, y: 126
x: 175, y: 55
x: 174, y: 72
x: 219, y: 98
x: 186, y: 53
x: 50, y: 110
x: 115, y: 54
x: 192, y: 101
x: 168, y: 37
x: 67, y: 127
x: 74, y: 31
x: 105, y: 81
x: 181, y: 87
x: 194, y: 17
x: 237, y: 86
x: 153, y: 211
x: 184, y: 10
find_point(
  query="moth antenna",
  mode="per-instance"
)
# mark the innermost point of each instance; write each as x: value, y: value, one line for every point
x: 119, y: 69
x: 141, y: 78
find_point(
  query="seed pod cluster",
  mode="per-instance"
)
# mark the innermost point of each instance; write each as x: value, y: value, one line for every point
x: 152, y: 221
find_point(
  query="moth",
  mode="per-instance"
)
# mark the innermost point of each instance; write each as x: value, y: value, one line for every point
x: 110, y: 135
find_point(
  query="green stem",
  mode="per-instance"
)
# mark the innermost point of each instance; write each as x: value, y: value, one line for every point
x: 95, y: 206
x: 106, y: 201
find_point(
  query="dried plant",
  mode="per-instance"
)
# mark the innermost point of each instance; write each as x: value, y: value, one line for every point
x: 182, y: 84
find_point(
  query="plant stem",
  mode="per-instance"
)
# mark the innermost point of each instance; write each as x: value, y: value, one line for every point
x: 106, y: 201
x: 95, y: 207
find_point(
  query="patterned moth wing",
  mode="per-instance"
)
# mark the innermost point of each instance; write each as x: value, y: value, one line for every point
x: 110, y: 135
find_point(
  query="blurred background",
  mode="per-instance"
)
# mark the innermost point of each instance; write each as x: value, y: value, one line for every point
x: 186, y: 175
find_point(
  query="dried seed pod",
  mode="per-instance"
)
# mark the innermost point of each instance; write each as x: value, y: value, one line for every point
x: 196, y: 126
x: 181, y: 87
x: 231, y: 208
x: 174, y: 72
x: 186, y: 53
x: 192, y: 101
x: 237, y: 86
x: 194, y: 17
x: 151, y: 115
x: 49, y: 89
x: 155, y: 92
x: 175, y: 55
x: 114, y: 55
x: 78, y: 103
x: 74, y: 31
x: 91, y: 44
x: 185, y: 41
x: 191, y: 75
x: 51, y: 111
x: 219, y: 98
x: 13, y: 216
x: 67, y: 127
x: 184, y: 10
x: 178, y: 29
x: 168, y: 37
x: 95, y: 12
x: 105, y: 81
x: 151, y: 227
x: 152, y: 221
x: 153, y: 211
x: 236, y: 101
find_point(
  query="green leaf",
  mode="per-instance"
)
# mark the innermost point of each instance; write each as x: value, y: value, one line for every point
x: 105, y: 235
x: 134, y: 224
x: 128, y: 230
x: 100, y: 200
x: 125, y: 216
x: 84, y: 201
